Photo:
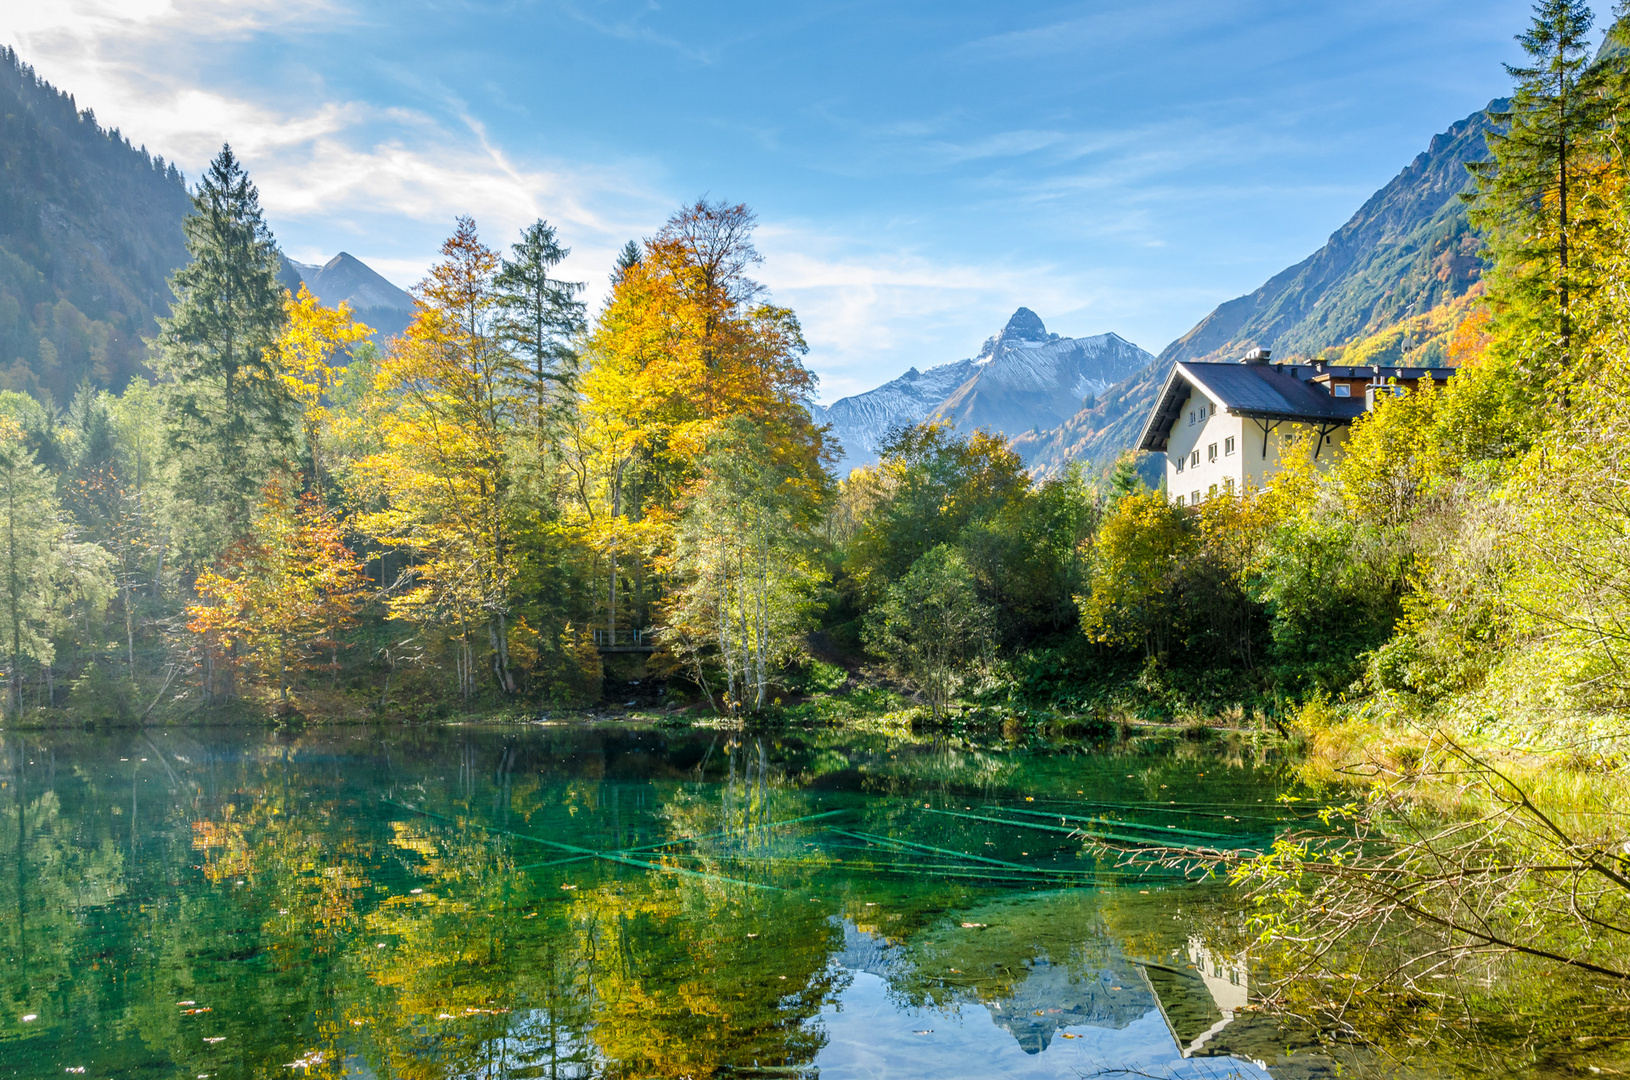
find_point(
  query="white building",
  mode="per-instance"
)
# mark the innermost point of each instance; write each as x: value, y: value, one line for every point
x: 1224, y: 426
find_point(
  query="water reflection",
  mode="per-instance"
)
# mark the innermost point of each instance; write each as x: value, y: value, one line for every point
x: 602, y: 903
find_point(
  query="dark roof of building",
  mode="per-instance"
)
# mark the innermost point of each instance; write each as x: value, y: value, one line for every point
x: 1259, y: 391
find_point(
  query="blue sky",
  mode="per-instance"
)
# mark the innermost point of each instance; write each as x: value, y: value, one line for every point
x: 919, y: 169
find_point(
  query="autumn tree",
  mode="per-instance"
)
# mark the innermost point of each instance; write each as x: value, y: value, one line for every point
x: 1137, y: 561
x: 229, y: 411
x: 283, y: 595
x: 442, y: 479
x: 313, y: 337
x: 684, y: 347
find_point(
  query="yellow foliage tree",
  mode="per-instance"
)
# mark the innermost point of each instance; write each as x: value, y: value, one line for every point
x: 441, y: 478
x: 313, y: 335
x: 684, y: 347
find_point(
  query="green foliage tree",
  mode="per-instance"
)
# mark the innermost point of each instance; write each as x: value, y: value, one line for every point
x: 931, y: 629
x: 539, y: 318
x: 1533, y: 200
x: 745, y: 566
x: 229, y: 413
x: 629, y: 257
x: 47, y: 573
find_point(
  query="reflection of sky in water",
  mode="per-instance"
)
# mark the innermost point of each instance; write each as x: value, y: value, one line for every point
x: 872, y: 1036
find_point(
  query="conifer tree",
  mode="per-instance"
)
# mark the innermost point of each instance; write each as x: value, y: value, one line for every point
x: 228, y: 410
x: 1527, y: 200
x: 539, y: 317
x: 628, y: 258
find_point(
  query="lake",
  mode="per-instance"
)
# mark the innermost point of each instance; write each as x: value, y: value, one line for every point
x: 613, y: 901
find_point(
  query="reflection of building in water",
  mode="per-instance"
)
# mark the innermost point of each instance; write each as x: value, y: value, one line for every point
x: 1201, y: 1001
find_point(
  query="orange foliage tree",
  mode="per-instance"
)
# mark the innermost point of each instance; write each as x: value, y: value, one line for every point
x: 282, y: 596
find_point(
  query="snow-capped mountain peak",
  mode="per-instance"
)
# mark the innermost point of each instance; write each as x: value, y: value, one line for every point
x: 1022, y: 378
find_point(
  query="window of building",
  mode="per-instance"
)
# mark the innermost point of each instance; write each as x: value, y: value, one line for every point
x: 1211, y: 492
x: 1194, y: 459
x: 1194, y: 499
x: 1228, y: 446
x: 1228, y: 485
x: 1211, y: 452
x: 1191, y: 418
x: 1182, y: 461
x: 1180, y: 500
x: 1342, y: 390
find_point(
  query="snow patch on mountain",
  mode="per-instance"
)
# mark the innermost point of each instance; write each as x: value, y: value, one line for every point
x: 862, y: 422
x: 1023, y: 378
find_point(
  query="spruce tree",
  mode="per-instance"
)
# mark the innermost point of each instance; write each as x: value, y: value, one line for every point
x: 628, y: 258
x: 1547, y: 139
x: 540, y: 316
x: 229, y: 416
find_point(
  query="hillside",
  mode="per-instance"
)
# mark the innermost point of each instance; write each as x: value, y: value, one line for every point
x: 90, y: 228
x: 1407, y: 252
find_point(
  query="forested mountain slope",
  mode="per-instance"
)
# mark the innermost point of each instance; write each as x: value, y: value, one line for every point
x: 90, y: 228
x: 1408, y: 250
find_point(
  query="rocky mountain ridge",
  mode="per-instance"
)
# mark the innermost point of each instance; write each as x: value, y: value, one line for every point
x: 347, y: 279
x: 1023, y: 378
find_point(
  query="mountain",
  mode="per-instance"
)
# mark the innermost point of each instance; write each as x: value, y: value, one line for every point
x: 1408, y: 250
x: 90, y: 229
x: 346, y: 278
x: 1029, y: 379
x: 1023, y: 378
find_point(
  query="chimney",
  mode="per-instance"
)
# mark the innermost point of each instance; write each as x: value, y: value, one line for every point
x: 1257, y: 356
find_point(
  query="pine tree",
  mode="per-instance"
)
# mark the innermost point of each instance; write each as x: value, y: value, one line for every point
x: 540, y: 317
x: 1547, y: 141
x: 628, y: 258
x: 229, y: 412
